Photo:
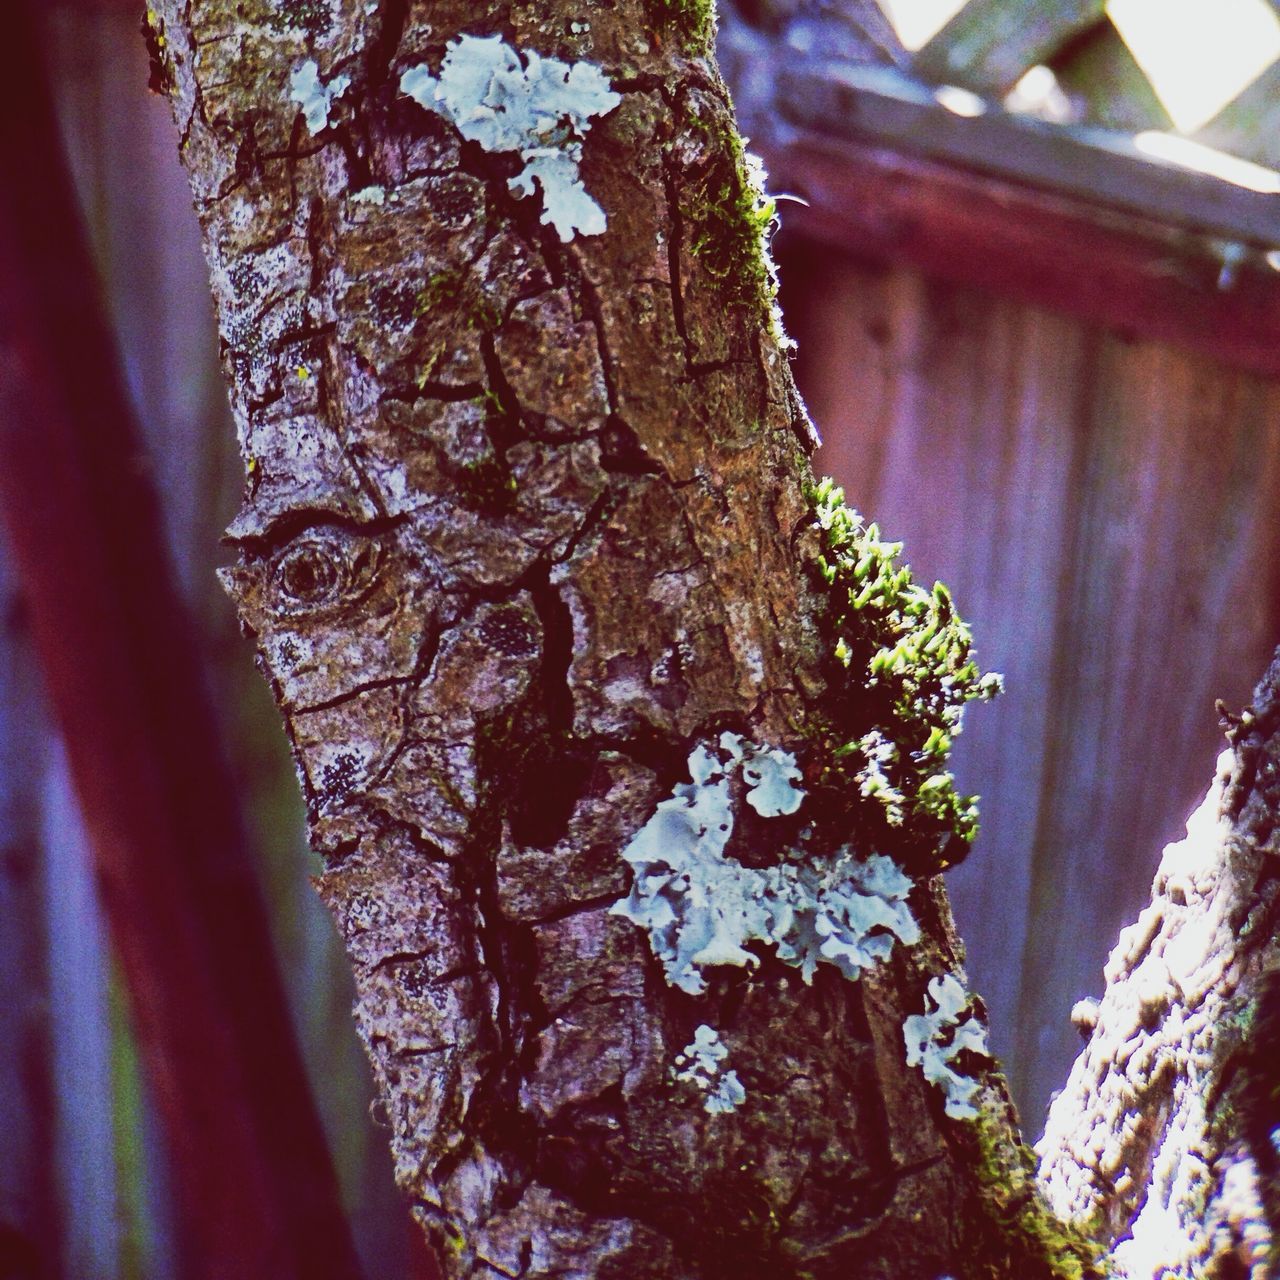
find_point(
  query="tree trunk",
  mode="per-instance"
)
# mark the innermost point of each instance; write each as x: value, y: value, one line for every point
x: 624, y: 744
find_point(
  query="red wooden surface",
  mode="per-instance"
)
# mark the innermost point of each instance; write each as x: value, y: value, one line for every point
x: 1107, y: 512
x: 1048, y: 250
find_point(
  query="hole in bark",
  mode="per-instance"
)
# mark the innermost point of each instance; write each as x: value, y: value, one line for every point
x: 546, y: 795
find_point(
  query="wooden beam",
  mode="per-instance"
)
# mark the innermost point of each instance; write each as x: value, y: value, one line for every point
x: 1120, y: 270
x: 881, y: 107
x: 1249, y: 125
x: 1098, y: 72
x: 990, y: 44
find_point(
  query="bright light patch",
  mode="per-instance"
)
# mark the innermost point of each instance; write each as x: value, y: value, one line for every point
x: 959, y: 102
x: 918, y: 21
x: 1039, y: 94
x: 1198, y: 54
x: 1194, y: 155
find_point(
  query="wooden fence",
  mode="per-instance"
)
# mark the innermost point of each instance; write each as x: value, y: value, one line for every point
x: 1069, y: 411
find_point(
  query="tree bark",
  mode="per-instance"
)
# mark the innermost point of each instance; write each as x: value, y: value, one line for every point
x: 1163, y: 1139
x: 533, y: 564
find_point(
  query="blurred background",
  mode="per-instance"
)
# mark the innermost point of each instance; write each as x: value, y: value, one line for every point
x: 1033, y: 268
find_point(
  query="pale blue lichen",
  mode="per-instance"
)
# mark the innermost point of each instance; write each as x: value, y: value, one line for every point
x: 773, y: 776
x: 701, y: 1065
x: 370, y: 195
x: 873, y: 782
x: 701, y: 909
x: 541, y: 110
x: 313, y: 96
x: 935, y: 1038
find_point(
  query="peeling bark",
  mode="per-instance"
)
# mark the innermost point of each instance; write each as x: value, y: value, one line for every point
x: 1163, y: 1142
x: 524, y: 522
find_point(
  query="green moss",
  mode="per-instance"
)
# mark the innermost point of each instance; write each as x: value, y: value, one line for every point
x: 1008, y: 1230
x: 729, y: 221
x: 900, y: 671
x: 692, y: 23
x: 456, y: 292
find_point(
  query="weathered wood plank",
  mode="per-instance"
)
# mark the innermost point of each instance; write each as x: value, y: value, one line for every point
x: 990, y: 44
x: 79, y: 961
x: 1170, y: 602
x: 1250, y: 125
x: 880, y: 106
x: 1108, y: 513
x: 943, y: 415
x: 1124, y: 271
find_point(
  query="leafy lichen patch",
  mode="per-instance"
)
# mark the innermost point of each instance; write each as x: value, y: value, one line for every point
x: 701, y: 1064
x: 542, y: 110
x: 937, y: 1037
x: 702, y: 909
x: 314, y: 96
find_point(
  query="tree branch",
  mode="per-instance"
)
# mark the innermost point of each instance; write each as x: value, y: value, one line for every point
x: 1162, y: 1142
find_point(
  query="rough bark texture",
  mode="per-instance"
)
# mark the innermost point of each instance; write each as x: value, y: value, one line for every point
x: 1164, y: 1139
x: 524, y: 522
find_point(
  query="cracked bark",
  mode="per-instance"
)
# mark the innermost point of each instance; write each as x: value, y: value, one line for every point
x: 522, y: 522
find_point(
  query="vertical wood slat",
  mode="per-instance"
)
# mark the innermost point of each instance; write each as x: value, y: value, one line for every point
x: 990, y: 44
x: 1175, y: 568
x: 80, y: 1022
x: 1107, y: 514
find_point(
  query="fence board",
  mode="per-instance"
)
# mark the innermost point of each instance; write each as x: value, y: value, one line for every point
x: 30, y: 1221
x: 1115, y: 269
x: 880, y: 106
x: 1108, y: 513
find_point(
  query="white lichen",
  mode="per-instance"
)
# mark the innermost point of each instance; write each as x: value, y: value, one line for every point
x: 370, y: 195
x: 541, y: 110
x: 701, y: 908
x: 313, y: 96
x: 873, y: 782
x: 935, y: 1038
x: 701, y: 1065
x: 773, y: 776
